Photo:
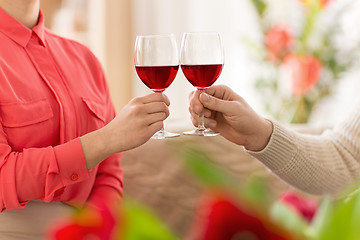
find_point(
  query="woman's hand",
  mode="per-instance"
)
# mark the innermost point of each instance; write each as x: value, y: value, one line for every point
x: 229, y: 114
x: 138, y: 121
x: 133, y: 126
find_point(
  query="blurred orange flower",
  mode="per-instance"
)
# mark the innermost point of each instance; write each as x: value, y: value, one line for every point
x: 278, y: 41
x: 303, y: 71
x: 323, y: 3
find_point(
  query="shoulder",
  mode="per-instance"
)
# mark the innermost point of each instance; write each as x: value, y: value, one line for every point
x: 76, y: 52
x: 70, y: 46
x: 7, y: 46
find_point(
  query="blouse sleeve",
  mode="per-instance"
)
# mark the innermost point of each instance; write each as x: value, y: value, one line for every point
x: 36, y: 173
x: 108, y: 183
x: 317, y: 164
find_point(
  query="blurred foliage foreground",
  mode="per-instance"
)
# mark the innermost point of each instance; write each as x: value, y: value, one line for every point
x: 228, y: 210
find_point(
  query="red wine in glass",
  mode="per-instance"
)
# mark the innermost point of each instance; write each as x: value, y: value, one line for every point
x: 157, y: 63
x: 202, y: 60
x: 157, y: 78
x: 202, y: 76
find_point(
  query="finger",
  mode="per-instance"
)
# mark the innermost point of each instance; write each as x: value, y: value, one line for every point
x: 222, y: 92
x: 155, y: 107
x: 207, y: 113
x: 166, y: 99
x: 194, y: 120
x: 192, y: 112
x: 208, y: 122
x: 156, y: 126
x: 216, y: 104
x: 155, y: 97
x: 156, y: 117
x: 195, y: 103
x: 217, y: 91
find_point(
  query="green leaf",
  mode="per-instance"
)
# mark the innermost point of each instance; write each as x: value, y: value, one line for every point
x: 260, y: 6
x: 139, y: 222
x: 342, y: 222
x: 321, y: 219
x: 288, y: 218
x: 257, y: 192
x: 355, y: 230
x: 338, y: 228
x: 200, y: 165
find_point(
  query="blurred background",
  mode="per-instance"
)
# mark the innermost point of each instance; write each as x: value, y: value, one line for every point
x: 296, y: 61
x: 109, y: 29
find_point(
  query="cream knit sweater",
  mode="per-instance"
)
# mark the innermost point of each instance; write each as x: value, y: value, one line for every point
x: 317, y: 164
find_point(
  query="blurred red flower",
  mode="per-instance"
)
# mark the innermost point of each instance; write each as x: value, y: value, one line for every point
x: 95, y: 223
x: 227, y: 219
x: 303, y: 71
x: 278, y: 41
x: 304, y: 206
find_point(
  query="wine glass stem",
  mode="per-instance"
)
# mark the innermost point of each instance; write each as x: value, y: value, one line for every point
x: 162, y: 132
x: 201, y: 125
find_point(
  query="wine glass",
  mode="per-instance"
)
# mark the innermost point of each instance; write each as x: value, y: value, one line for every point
x: 157, y: 63
x: 201, y: 60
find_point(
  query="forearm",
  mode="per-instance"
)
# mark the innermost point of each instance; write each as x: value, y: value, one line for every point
x: 96, y: 147
x: 314, y: 164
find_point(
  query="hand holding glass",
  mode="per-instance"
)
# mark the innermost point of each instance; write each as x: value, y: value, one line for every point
x: 157, y: 63
x: 202, y: 60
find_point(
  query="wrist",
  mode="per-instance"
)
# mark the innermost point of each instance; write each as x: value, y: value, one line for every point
x: 260, y: 139
x: 104, y: 137
x: 95, y: 147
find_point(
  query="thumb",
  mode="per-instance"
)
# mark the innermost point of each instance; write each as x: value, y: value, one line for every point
x: 214, y: 103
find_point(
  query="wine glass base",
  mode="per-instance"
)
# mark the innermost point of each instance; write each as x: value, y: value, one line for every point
x: 164, y: 135
x: 201, y: 132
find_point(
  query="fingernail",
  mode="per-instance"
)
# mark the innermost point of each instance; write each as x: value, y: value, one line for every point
x: 205, y: 97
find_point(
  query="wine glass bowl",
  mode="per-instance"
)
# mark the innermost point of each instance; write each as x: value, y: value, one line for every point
x: 157, y: 78
x: 156, y: 63
x: 202, y: 76
x: 202, y: 61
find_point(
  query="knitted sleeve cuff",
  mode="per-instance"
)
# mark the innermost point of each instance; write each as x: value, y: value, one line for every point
x: 280, y: 150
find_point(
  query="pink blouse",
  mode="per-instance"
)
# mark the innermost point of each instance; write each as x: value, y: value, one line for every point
x: 52, y: 91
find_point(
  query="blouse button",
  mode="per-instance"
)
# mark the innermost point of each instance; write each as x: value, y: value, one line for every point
x: 74, y: 177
